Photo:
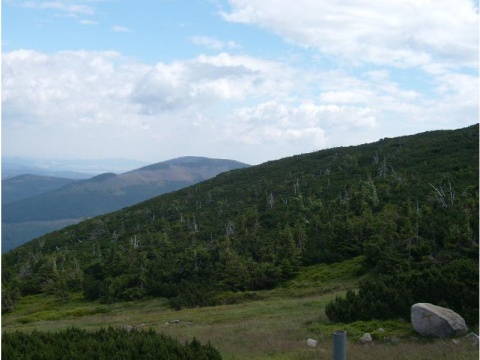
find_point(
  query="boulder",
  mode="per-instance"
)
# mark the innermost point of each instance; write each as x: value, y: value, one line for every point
x: 431, y: 320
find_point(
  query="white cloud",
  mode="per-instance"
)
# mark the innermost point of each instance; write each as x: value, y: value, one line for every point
x: 213, y: 43
x: 395, y: 32
x: 67, y: 7
x: 176, y: 86
x: 345, y: 96
x: 243, y: 107
x: 118, y: 28
x: 88, y: 22
x: 307, y: 122
x: 65, y: 87
x: 208, y: 80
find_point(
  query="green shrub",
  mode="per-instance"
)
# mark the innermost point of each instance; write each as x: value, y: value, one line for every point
x: 111, y: 344
x: 454, y: 285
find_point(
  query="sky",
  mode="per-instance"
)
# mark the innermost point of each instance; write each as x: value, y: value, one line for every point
x: 247, y: 80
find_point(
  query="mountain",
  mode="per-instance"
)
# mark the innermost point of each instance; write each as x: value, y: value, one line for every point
x: 109, y: 192
x: 23, y: 186
x: 101, y: 194
x: 71, y: 169
x: 407, y: 206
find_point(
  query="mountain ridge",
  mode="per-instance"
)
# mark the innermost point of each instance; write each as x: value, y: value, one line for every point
x: 155, y: 180
x: 26, y: 185
x: 108, y: 192
x: 71, y: 168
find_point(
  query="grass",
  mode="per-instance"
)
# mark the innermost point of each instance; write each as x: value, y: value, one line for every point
x: 274, y: 325
x: 35, y: 308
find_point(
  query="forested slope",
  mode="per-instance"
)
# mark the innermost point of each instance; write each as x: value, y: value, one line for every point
x: 407, y: 204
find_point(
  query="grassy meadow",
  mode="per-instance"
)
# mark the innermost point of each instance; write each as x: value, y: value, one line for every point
x: 271, y: 324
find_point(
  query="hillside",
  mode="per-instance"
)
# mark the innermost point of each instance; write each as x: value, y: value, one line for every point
x: 407, y: 205
x: 35, y: 215
x: 24, y: 186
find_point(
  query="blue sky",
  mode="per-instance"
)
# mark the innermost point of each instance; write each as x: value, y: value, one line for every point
x: 250, y: 80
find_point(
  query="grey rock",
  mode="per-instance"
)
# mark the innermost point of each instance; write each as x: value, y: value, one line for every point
x: 128, y: 328
x: 365, y: 339
x: 395, y: 340
x: 391, y: 339
x: 312, y: 343
x: 431, y: 320
x: 473, y: 338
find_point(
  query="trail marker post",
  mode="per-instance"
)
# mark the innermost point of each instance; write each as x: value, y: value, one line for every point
x: 340, y: 345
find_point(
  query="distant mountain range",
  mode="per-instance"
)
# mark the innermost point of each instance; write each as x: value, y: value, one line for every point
x: 33, y: 204
x: 24, y: 186
x: 71, y: 169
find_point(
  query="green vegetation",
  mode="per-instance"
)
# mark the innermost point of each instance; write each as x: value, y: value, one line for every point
x: 406, y: 208
x: 275, y: 324
x: 102, y: 344
x: 454, y: 285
